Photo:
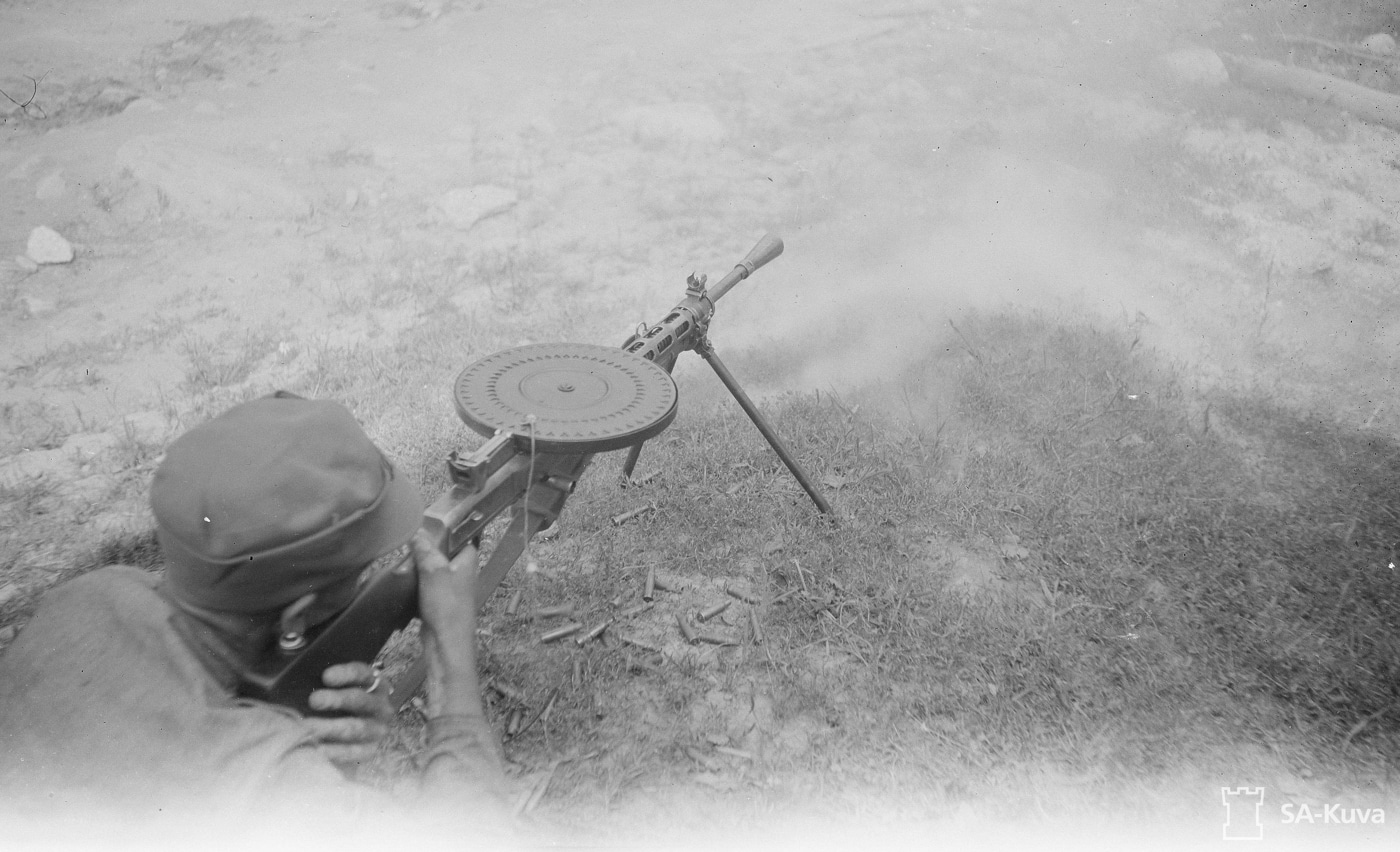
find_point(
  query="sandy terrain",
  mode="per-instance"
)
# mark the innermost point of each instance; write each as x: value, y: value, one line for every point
x: 250, y: 196
x: 267, y: 180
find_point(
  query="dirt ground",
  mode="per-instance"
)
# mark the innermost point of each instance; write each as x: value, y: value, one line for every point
x: 250, y: 194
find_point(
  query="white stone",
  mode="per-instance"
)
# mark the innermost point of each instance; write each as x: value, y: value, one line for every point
x: 465, y: 207
x: 1379, y: 43
x: 47, y: 246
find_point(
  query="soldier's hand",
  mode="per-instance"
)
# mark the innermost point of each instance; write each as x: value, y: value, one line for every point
x: 447, y: 603
x: 446, y: 591
x: 354, y: 690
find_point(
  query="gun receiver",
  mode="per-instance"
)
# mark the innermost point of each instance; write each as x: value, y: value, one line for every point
x: 547, y: 409
x: 687, y: 324
x: 686, y: 328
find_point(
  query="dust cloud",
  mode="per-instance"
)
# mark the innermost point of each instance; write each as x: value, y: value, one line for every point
x: 1050, y: 157
x: 977, y: 184
x: 1011, y: 232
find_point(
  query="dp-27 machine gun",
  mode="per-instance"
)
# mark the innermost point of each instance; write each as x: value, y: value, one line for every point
x: 547, y: 409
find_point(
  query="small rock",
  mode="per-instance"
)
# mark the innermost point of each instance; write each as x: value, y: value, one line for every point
x: 52, y: 186
x: 36, y: 307
x: 465, y: 207
x: 8, y: 591
x: 23, y: 262
x: 115, y: 98
x: 47, y: 246
x: 144, y: 105
x: 1196, y: 66
x: 1379, y: 43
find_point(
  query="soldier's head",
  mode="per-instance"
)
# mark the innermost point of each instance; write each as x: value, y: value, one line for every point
x: 275, y: 500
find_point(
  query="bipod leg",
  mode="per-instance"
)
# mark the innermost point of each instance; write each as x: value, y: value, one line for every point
x: 635, y: 451
x: 632, y: 454
x: 708, y: 353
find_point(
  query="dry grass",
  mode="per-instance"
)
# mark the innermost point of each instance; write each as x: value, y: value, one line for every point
x: 1070, y: 571
x: 1049, y: 564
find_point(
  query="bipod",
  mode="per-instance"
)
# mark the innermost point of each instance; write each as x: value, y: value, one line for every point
x: 686, y: 327
x: 707, y: 351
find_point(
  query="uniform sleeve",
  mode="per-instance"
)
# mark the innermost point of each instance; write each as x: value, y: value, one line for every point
x: 461, y: 788
x: 462, y: 767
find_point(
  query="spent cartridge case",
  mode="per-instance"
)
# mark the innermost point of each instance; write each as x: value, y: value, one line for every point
x: 562, y: 632
x: 638, y: 643
x: 740, y: 594
x: 619, y: 520
x: 686, y: 630
x: 649, y: 592
x: 634, y: 611
x: 592, y: 634
x: 710, y: 612
x: 509, y: 691
x: 556, y: 611
x: 643, y: 480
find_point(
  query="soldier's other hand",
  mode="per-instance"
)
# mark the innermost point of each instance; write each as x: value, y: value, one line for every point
x: 355, y: 691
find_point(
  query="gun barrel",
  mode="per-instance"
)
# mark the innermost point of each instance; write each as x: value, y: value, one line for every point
x: 767, y: 248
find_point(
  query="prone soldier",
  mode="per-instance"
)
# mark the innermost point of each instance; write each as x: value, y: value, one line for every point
x: 119, y: 704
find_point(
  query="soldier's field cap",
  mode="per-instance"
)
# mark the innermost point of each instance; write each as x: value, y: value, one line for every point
x: 275, y: 498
